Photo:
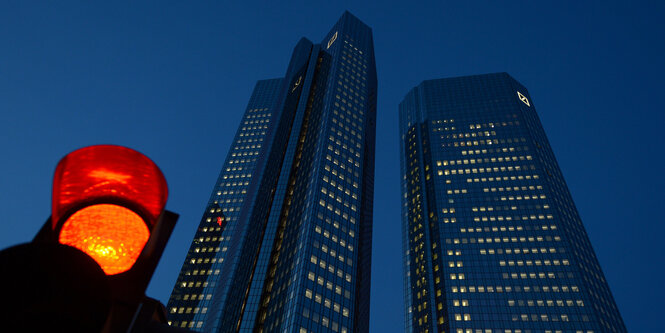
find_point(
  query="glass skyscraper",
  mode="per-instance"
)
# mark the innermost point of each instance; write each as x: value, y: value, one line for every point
x: 492, y: 239
x: 285, y: 242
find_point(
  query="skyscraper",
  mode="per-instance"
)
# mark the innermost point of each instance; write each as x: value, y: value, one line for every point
x: 492, y: 239
x: 285, y: 241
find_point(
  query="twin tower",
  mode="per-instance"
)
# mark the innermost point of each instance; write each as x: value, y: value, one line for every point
x: 492, y: 241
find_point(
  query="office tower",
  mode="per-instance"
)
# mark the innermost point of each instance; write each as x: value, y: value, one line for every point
x: 492, y: 239
x: 285, y: 242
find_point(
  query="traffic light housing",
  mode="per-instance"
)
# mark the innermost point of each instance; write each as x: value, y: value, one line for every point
x: 108, y: 223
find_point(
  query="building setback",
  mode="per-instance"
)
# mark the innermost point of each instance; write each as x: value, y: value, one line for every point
x: 492, y: 239
x: 284, y: 244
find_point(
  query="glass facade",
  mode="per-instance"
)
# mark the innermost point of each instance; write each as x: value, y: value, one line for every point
x: 492, y: 239
x: 285, y: 242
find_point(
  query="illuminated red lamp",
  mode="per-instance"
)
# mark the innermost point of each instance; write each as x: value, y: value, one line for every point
x: 106, y: 200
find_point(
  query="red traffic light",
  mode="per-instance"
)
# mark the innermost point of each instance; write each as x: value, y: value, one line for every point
x: 112, y: 235
x: 106, y: 200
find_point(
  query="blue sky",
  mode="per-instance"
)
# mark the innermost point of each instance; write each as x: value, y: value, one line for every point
x: 171, y: 79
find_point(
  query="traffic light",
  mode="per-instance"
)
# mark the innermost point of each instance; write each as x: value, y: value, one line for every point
x: 106, y: 201
x: 89, y: 265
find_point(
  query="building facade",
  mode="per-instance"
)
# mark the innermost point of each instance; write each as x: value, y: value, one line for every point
x: 492, y: 239
x: 285, y: 242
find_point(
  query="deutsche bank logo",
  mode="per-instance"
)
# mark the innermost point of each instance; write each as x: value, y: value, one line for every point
x: 332, y: 40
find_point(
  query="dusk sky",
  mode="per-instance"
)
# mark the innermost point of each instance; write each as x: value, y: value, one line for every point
x: 171, y: 79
